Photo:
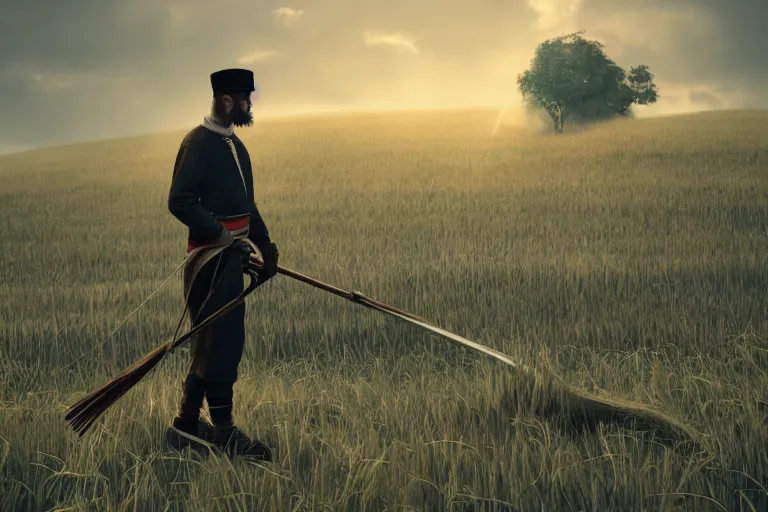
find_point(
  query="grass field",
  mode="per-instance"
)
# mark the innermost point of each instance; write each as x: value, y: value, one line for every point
x: 630, y: 259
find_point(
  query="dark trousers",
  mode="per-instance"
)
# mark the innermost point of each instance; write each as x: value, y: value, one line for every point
x: 217, y: 350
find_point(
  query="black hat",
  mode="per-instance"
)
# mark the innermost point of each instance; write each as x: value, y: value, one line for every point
x: 231, y: 81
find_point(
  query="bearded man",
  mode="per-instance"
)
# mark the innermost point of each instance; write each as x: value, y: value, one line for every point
x: 212, y: 195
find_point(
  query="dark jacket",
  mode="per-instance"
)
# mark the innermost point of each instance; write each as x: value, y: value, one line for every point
x: 207, y: 186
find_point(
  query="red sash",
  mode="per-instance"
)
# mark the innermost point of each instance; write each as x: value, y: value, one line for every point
x: 237, y: 227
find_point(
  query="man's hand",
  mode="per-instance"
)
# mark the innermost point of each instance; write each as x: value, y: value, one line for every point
x: 270, y: 255
x: 244, y: 250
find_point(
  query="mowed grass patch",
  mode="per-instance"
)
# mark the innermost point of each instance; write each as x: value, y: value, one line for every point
x: 629, y: 258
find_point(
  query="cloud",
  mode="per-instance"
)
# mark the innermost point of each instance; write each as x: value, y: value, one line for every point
x: 555, y: 15
x: 706, y: 98
x: 256, y: 56
x: 61, y: 81
x: 106, y: 68
x: 35, y: 77
x: 684, y: 97
x: 684, y: 40
x: 177, y: 13
x: 694, y: 24
x: 286, y: 16
x: 394, y: 40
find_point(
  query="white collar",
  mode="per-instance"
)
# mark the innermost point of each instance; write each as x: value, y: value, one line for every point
x: 208, y: 122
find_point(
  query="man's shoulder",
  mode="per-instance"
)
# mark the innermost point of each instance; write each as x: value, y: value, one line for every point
x: 239, y: 142
x: 198, y: 136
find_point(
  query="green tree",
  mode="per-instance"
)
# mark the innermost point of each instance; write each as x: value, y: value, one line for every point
x: 572, y: 79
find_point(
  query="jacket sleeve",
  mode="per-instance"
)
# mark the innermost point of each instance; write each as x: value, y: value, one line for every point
x: 257, y: 229
x: 184, y: 197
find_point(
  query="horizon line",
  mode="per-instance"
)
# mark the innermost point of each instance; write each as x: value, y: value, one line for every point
x: 276, y: 113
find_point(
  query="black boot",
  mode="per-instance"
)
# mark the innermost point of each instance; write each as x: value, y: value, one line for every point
x: 195, y: 435
x: 188, y: 429
x: 192, y: 398
x: 232, y: 441
x: 227, y: 437
x: 219, y: 397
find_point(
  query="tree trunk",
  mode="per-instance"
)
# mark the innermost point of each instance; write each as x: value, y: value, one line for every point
x: 558, y: 119
x: 558, y: 122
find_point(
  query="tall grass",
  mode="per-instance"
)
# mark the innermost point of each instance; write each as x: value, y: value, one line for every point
x: 629, y: 258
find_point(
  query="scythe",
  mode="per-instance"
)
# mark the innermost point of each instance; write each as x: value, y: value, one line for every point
x: 84, y: 413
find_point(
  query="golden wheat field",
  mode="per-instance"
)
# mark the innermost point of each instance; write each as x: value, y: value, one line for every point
x: 630, y: 258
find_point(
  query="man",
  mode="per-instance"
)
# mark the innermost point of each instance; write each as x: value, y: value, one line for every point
x: 212, y: 194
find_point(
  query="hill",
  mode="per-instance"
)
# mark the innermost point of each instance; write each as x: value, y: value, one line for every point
x: 630, y: 258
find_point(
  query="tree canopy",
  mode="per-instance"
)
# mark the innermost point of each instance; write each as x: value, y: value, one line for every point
x: 572, y: 79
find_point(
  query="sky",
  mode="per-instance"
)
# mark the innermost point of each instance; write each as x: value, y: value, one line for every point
x: 97, y: 69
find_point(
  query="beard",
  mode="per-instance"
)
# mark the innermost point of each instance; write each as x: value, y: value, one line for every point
x: 240, y: 117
